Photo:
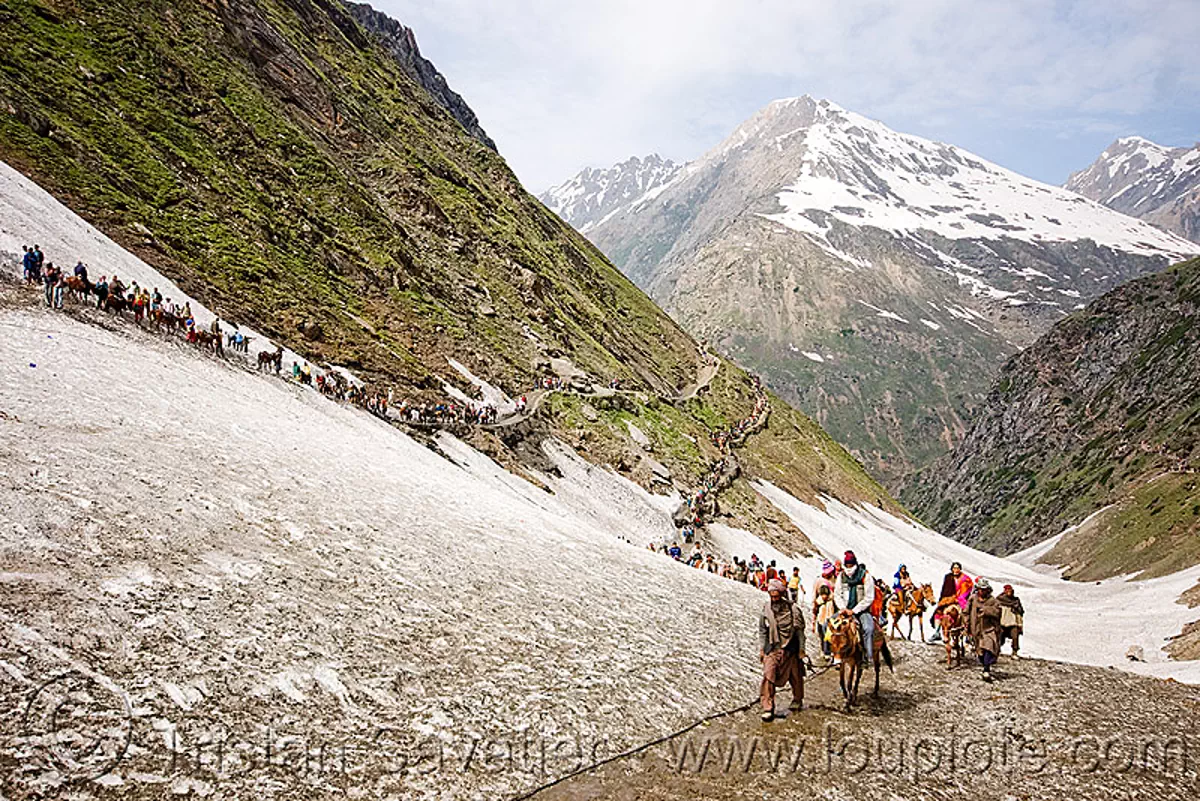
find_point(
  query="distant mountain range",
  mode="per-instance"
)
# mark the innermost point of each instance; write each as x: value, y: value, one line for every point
x: 877, y: 279
x: 1148, y: 181
x: 594, y: 194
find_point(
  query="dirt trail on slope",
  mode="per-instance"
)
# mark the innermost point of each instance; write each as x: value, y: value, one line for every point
x: 703, y: 379
x: 1043, y: 730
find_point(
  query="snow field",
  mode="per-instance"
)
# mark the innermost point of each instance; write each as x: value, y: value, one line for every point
x: 302, y: 560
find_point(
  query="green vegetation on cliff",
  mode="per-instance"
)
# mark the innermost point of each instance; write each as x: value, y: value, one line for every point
x: 1103, y: 413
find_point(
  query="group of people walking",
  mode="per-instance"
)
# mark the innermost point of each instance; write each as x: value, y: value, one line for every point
x: 847, y: 588
x: 445, y: 414
x: 989, y: 620
x: 727, y: 438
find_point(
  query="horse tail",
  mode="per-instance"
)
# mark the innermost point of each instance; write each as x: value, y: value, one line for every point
x: 887, y: 657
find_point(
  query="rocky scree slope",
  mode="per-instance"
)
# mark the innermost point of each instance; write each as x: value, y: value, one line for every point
x: 1135, y: 176
x: 1095, y: 426
x: 876, y: 279
x: 595, y: 194
x: 277, y: 162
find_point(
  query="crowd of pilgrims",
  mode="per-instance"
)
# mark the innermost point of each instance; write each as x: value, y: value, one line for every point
x: 725, y: 440
x: 145, y: 303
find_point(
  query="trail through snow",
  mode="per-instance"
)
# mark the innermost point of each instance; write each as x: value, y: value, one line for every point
x: 1088, y: 623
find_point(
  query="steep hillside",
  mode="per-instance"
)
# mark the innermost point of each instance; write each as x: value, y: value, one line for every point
x: 877, y: 279
x: 1157, y: 184
x: 595, y: 194
x: 1096, y: 426
x: 280, y: 165
x: 401, y: 43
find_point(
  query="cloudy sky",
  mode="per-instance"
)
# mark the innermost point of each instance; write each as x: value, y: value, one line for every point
x: 1039, y: 86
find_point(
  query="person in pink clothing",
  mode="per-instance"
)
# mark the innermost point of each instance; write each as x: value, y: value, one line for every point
x: 962, y: 591
x: 824, y: 606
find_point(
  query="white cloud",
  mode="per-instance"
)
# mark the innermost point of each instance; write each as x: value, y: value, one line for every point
x: 563, y: 84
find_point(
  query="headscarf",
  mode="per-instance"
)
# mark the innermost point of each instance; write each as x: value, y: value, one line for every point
x: 827, y: 569
x: 775, y: 585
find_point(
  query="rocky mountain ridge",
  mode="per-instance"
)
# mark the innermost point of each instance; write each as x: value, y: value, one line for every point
x: 594, y: 194
x: 1096, y: 427
x: 876, y: 279
x: 400, y: 41
x: 1157, y: 184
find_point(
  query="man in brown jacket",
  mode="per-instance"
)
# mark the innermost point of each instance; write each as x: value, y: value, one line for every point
x: 983, y: 624
x: 781, y: 649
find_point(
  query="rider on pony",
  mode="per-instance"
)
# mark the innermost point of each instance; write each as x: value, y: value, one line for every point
x: 902, y: 584
x: 956, y: 589
x: 855, y: 595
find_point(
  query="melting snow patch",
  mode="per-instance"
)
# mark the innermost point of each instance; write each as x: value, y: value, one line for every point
x: 930, y: 324
x: 816, y: 357
x: 884, y: 313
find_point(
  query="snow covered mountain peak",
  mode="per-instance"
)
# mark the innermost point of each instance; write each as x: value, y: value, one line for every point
x: 1147, y: 180
x: 911, y: 268
x: 593, y: 194
x: 863, y: 173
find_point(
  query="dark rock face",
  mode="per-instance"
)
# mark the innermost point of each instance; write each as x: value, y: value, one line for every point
x: 1100, y: 411
x: 400, y: 41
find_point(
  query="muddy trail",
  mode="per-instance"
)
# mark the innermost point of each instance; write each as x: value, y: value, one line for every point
x: 1041, y: 730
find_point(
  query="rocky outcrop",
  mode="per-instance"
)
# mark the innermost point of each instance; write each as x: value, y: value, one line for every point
x: 400, y: 41
x: 1135, y: 176
x: 1102, y: 413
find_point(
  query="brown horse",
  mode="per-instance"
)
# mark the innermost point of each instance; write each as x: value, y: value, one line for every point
x: 910, y: 605
x: 112, y: 303
x: 78, y: 288
x: 953, y: 622
x: 164, y: 319
x: 845, y: 641
x: 208, y: 340
x: 267, y: 359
